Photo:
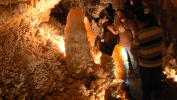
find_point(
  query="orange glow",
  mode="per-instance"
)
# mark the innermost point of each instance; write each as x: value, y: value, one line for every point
x: 61, y: 44
x: 97, y: 57
x: 120, y: 61
x: 91, y: 38
x: 44, y: 5
x: 175, y: 79
x: 90, y: 34
x: 58, y: 40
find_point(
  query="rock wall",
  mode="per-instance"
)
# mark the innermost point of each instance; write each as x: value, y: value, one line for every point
x: 32, y: 64
x: 164, y: 11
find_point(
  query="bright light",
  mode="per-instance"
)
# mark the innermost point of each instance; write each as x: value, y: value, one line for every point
x: 61, y: 44
x: 164, y: 72
x: 91, y: 38
x: 44, y: 34
x: 97, y: 57
x: 123, y: 54
x: 118, y: 96
x: 175, y: 79
x: 41, y: 30
x: 54, y: 38
x: 41, y: 10
x: 44, y: 5
x: 131, y: 1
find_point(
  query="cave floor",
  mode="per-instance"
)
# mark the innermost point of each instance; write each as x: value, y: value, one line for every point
x: 169, y: 88
x: 134, y: 91
x: 134, y: 87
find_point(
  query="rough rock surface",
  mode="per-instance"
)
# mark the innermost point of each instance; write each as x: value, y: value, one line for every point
x: 33, y: 65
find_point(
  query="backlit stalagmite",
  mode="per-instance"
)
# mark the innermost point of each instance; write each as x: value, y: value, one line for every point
x: 90, y: 34
x: 76, y: 43
x: 120, y: 61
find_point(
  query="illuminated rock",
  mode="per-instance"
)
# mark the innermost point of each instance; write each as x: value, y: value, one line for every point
x: 76, y: 43
x: 120, y: 61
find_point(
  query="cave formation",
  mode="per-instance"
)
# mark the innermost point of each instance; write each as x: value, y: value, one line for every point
x: 40, y: 60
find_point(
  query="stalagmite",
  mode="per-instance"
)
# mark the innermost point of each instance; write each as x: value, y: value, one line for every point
x: 90, y: 33
x: 121, y: 63
x: 76, y: 43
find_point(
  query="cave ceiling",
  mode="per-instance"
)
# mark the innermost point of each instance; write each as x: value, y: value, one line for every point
x: 34, y: 12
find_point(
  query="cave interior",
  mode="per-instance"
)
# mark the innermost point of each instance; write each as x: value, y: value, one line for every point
x: 51, y: 50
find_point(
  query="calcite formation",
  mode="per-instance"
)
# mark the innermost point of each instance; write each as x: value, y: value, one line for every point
x: 33, y: 63
x: 77, y: 46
